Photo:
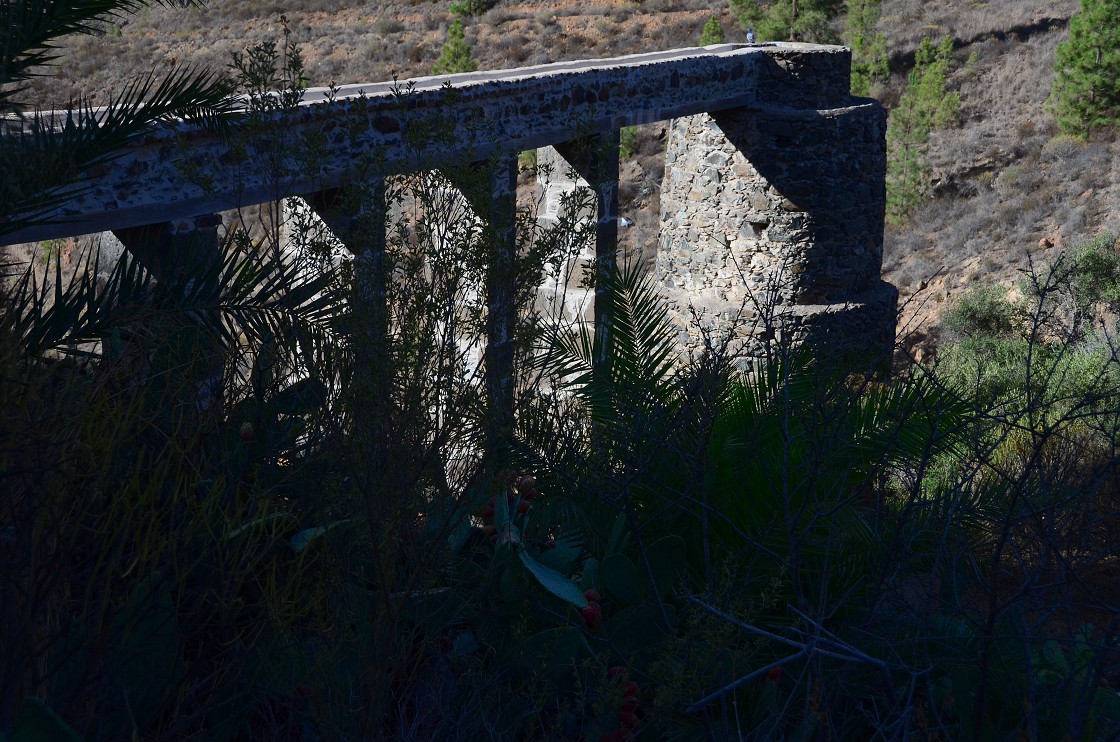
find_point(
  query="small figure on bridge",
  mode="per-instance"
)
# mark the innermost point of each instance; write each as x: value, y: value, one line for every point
x: 750, y: 35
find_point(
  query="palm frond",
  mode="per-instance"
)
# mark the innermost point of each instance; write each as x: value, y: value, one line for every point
x: 227, y: 296
x: 44, y: 154
x: 639, y: 366
x: 33, y: 28
x: 50, y: 152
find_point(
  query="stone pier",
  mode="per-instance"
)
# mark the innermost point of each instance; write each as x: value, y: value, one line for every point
x: 772, y: 228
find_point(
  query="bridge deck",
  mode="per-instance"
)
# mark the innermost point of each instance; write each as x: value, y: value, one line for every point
x: 182, y: 171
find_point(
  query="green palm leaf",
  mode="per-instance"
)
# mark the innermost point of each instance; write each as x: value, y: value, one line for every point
x: 230, y: 295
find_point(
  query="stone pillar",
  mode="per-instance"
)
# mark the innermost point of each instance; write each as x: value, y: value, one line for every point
x: 565, y: 296
x: 357, y: 217
x: 183, y: 252
x: 772, y: 227
x: 496, y: 204
x: 595, y: 158
x: 167, y: 248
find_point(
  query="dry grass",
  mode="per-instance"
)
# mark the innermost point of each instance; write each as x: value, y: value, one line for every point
x: 349, y: 41
x: 906, y: 22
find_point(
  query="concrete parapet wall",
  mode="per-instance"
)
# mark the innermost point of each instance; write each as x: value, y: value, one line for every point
x: 181, y: 171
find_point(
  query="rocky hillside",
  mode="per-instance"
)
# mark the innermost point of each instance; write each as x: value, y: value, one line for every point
x: 1007, y: 191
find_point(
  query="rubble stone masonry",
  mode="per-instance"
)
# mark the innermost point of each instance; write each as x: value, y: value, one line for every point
x: 772, y: 227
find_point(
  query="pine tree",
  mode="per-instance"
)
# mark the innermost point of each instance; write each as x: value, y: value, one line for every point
x: 456, y: 54
x: 1086, y: 92
x: 924, y: 106
x: 471, y: 7
x: 870, y: 64
x: 712, y: 33
x: 788, y: 20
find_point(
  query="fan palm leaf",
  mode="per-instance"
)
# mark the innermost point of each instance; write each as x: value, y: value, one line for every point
x: 230, y: 296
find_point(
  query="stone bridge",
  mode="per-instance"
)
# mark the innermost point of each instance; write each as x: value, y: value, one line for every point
x: 771, y: 208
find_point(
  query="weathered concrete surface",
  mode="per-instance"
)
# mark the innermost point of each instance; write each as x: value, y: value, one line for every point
x: 179, y: 172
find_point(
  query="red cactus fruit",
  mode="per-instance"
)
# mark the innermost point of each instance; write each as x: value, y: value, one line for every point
x: 526, y: 483
x: 629, y: 703
x: 530, y: 494
x: 628, y: 719
x: 522, y: 507
x: 591, y: 595
x: 247, y: 431
x: 592, y: 615
x: 631, y: 690
x: 773, y: 675
x: 550, y: 543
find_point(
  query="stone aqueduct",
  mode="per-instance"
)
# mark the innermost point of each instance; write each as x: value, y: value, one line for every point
x: 773, y: 186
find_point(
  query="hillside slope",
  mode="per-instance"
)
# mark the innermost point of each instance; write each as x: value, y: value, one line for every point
x: 1008, y: 190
